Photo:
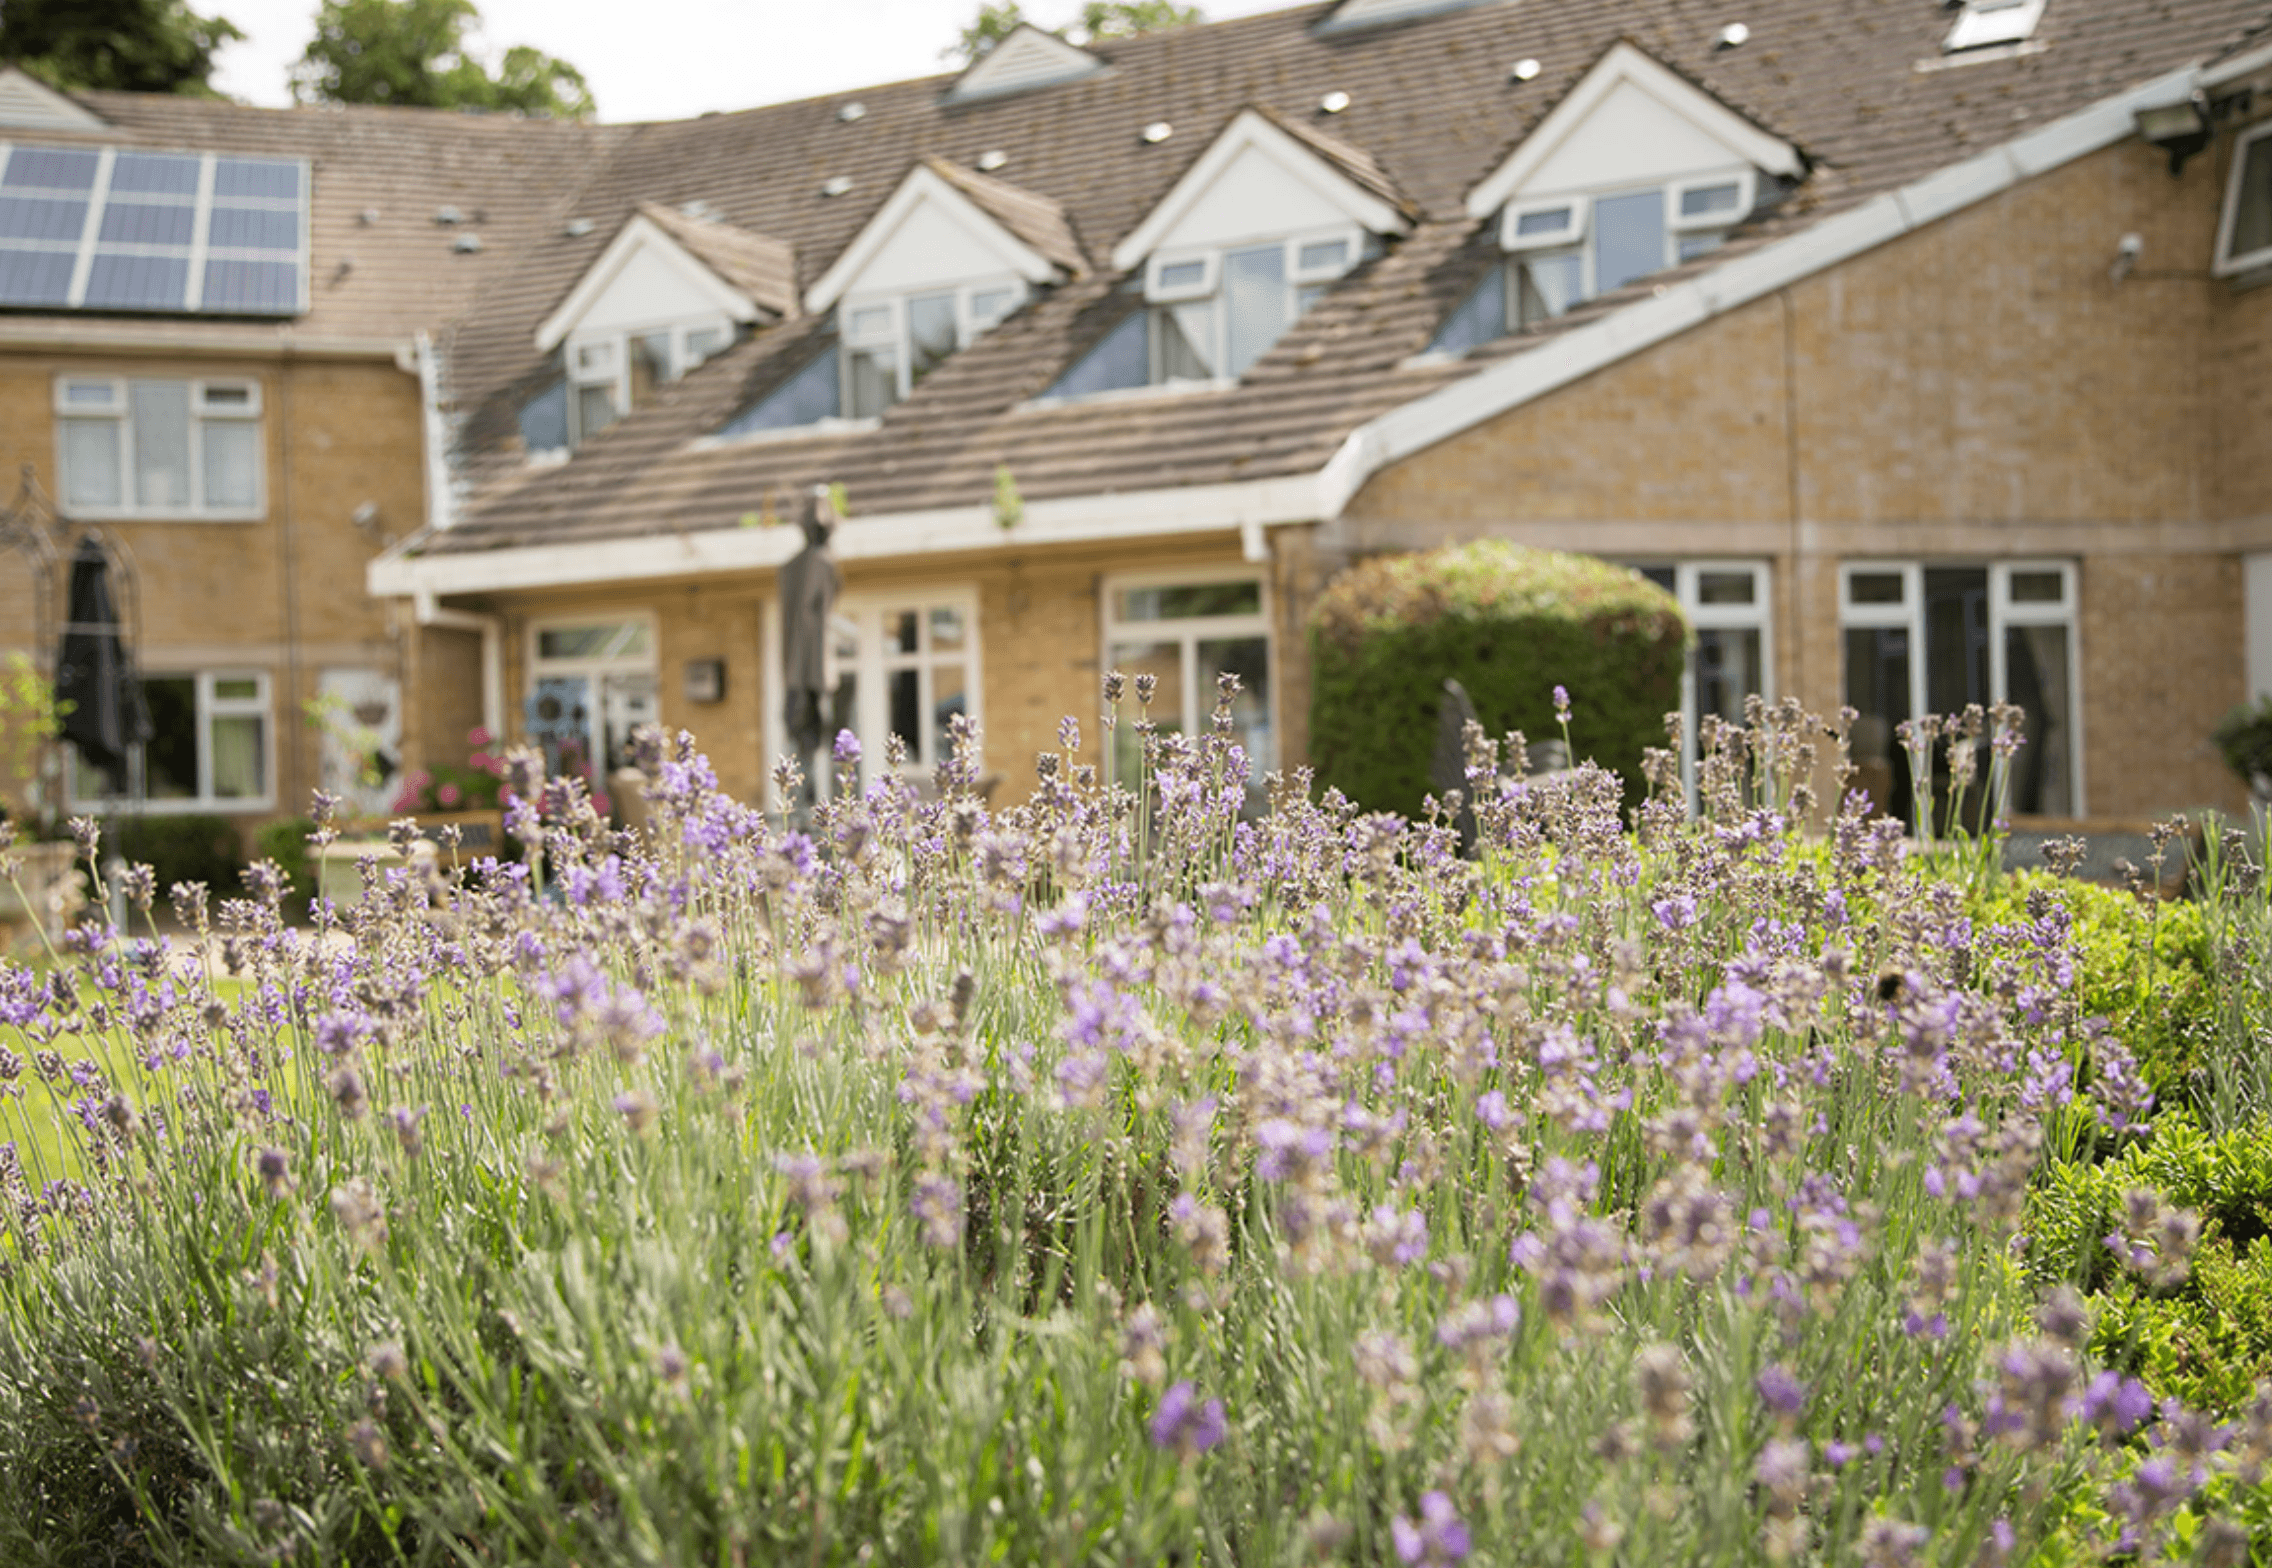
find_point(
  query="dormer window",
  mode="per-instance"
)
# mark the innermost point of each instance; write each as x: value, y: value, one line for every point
x: 1214, y: 314
x: 612, y: 374
x: 890, y: 345
x: 1981, y: 23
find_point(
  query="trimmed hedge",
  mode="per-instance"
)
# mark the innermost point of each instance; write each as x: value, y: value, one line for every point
x: 1510, y: 623
x: 180, y: 849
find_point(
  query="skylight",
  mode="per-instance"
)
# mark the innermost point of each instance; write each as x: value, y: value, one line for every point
x: 1982, y: 23
x: 123, y: 229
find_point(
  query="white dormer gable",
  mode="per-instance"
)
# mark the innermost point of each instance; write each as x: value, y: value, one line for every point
x: 1255, y: 182
x: 1630, y: 122
x: 1026, y: 60
x: 927, y: 235
x: 644, y: 278
x: 1350, y: 15
x: 28, y: 104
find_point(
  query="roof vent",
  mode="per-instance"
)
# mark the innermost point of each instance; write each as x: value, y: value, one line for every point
x: 991, y: 159
x: 1981, y: 23
x: 467, y: 243
x: 838, y: 185
x: 849, y: 112
x: 700, y: 210
x: 1333, y: 103
x: 448, y: 215
x: 576, y: 228
x: 1733, y: 36
x: 1525, y: 69
x: 367, y: 217
x: 1157, y: 132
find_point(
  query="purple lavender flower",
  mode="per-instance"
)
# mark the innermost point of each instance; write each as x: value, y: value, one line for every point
x: 1438, y: 1536
x: 1182, y: 1422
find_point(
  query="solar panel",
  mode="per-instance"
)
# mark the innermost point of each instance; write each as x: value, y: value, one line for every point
x: 131, y: 230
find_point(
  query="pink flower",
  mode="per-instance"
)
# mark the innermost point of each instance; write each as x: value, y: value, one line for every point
x: 449, y: 795
x: 478, y: 736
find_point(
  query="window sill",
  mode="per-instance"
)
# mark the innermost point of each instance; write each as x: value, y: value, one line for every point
x: 835, y: 426
x: 91, y: 514
x: 1129, y: 394
x: 111, y: 806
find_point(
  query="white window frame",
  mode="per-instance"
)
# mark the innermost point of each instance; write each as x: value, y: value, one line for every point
x: 118, y: 410
x: 210, y: 706
x: 1757, y: 616
x: 864, y: 613
x: 1985, y: 23
x: 1571, y: 234
x: 1746, y: 182
x: 1198, y: 692
x: 2003, y: 613
x: 594, y: 667
x: 2223, y: 264
x: 969, y: 326
x: 1296, y: 279
x: 613, y: 369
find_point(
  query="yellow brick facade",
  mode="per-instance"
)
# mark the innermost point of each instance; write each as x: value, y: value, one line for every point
x: 1979, y: 390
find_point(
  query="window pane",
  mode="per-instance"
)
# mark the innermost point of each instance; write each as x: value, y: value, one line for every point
x: 627, y: 701
x: 1186, y: 341
x: 232, y: 464
x: 1120, y: 359
x: 1254, y: 292
x: 1249, y: 659
x: 875, y: 382
x: 544, y: 419
x: 1164, y: 662
x: 90, y: 463
x: 1547, y: 220
x: 2252, y: 216
x: 1956, y: 637
x: 946, y: 629
x: 237, y: 688
x: 1699, y: 201
x: 595, y: 360
x: 1322, y: 256
x: 899, y: 631
x: 559, y: 720
x: 1180, y: 275
x: 701, y: 345
x: 903, y: 698
x: 1477, y: 319
x: 1877, y: 689
x: 600, y: 639
x: 949, y: 696
x: 595, y: 410
x: 1182, y: 600
x: 219, y: 395
x: 1662, y: 576
x: 869, y: 323
x: 1725, y: 587
x: 806, y: 397
x: 1875, y: 587
x: 650, y: 365
x: 161, y: 442
x: 988, y: 306
x: 1727, y: 670
x: 2039, y: 587
x: 1629, y: 238
x: 1546, y: 286
x: 930, y: 332
x: 88, y: 394
x: 169, y: 761
x: 2035, y: 678
x: 240, y: 768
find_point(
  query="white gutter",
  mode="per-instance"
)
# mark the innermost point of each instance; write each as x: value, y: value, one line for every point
x: 1394, y: 436
x: 420, y: 361
x: 87, y: 338
x: 1245, y: 509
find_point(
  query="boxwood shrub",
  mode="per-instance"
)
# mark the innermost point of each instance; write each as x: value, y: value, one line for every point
x: 1510, y: 623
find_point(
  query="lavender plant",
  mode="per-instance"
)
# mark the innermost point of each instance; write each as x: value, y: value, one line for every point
x: 1115, y: 1177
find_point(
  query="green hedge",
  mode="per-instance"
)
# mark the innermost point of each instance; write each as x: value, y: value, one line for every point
x: 181, y: 849
x: 1510, y: 623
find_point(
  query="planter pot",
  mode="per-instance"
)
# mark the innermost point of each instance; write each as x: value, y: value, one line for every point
x: 54, y: 888
x: 338, y: 866
x: 481, y: 832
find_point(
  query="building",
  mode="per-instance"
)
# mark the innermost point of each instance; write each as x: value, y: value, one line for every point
x: 1917, y: 347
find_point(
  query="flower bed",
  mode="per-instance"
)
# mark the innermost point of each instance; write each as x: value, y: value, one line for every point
x: 1112, y: 1178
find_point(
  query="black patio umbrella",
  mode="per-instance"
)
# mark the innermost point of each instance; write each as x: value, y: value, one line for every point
x: 105, y: 716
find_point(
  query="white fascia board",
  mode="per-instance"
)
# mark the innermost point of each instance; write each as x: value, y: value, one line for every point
x: 191, y: 338
x: 920, y: 186
x: 637, y: 234
x: 1462, y: 405
x: 1089, y: 519
x: 1250, y: 130
x: 2238, y: 66
x: 1624, y: 64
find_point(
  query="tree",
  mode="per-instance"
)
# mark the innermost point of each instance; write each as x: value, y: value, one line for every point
x: 136, y: 46
x: 1099, y: 20
x: 413, y: 53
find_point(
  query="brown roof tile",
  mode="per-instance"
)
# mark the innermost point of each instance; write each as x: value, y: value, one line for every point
x: 761, y: 267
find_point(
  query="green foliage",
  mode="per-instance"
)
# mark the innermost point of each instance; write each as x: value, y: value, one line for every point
x: 2245, y: 737
x: 2208, y: 1340
x: 992, y: 24
x: 135, y: 46
x: 2143, y: 967
x: 412, y: 53
x: 1100, y: 21
x: 180, y: 849
x: 1510, y: 623
x: 286, y: 843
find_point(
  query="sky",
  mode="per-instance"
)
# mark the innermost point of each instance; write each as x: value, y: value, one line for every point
x: 667, y: 59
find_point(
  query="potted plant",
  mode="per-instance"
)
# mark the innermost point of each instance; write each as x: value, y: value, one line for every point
x: 468, y: 794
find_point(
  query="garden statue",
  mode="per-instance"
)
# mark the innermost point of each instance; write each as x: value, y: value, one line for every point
x: 809, y: 585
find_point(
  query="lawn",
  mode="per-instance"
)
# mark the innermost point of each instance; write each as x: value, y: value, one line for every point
x: 1122, y: 1178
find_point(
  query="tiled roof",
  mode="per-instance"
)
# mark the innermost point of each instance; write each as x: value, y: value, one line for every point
x: 381, y: 266
x: 761, y: 267
x: 1036, y: 220
x: 1859, y: 86
x: 1354, y: 164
